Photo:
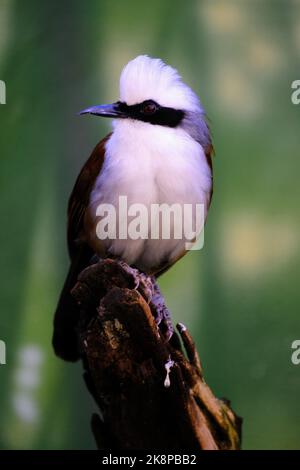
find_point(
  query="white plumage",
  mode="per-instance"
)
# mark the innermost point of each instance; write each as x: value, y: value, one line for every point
x: 146, y: 78
x: 151, y: 163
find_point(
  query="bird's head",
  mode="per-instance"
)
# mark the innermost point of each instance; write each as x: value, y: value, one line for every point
x: 154, y: 93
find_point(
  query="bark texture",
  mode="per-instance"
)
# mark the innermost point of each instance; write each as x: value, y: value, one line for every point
x: 151, y: 393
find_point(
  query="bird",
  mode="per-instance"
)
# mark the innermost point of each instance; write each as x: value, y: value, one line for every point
x: 159, y: 152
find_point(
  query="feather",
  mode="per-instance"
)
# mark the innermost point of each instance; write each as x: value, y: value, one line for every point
x: 67, y: 313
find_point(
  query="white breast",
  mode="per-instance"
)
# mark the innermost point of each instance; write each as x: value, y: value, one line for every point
x: 150, y: 164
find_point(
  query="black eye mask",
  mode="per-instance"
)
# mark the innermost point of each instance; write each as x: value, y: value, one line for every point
x: 152, y: 112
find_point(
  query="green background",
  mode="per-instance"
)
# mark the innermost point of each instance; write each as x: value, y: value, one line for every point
x: 239, y: 295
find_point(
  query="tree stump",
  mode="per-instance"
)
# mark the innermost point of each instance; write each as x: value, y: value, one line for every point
x: 151, y: 394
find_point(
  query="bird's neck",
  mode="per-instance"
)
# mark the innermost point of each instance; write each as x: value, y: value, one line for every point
x: 147, y: 145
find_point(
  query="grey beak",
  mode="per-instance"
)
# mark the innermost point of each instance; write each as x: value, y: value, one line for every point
x: 105, y: 110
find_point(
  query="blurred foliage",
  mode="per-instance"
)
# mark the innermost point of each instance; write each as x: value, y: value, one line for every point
x: 239, y: 295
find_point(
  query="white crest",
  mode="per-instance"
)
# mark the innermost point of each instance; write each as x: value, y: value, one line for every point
x: 145, y: 78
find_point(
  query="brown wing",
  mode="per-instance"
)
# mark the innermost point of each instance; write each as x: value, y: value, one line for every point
x: 67, y: 315
x: 80, y: 195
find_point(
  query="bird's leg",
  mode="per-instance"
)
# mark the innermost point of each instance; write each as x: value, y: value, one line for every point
x: 163, y: 315
x: 143, y: 283
x: 148, y: 287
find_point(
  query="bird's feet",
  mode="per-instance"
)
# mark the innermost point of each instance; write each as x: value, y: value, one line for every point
x: 163, y: 315
x: 149, y: 289
x: 142, y: 282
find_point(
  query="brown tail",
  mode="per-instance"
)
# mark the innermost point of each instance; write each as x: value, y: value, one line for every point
x: 66, y: 317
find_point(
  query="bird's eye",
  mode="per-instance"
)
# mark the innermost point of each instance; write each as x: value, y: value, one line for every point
x: 149, y: 108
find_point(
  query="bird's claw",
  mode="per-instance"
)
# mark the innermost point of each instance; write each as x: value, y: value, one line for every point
x: 163, y: 315
x: 149, y: 289
x: 142, y: 282
x: 146, y: 286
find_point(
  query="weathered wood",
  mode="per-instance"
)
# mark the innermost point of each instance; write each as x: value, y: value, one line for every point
x: 125, y: 355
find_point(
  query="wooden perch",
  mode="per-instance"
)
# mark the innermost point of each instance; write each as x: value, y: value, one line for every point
x: 129, y: 365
